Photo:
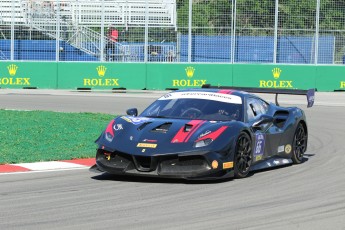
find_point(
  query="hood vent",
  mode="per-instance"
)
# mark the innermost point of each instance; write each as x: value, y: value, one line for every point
x: 187, y: 127
x: 143, y: 125
x: 163, y: 128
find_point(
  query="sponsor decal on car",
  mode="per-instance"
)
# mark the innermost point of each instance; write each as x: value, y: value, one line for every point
x: 288, y: 149
x: 148, y: 140
x: 257, y: 158
x: 146, y: 145
x: 212, y: 135
x: 118, y: 127
x: 280, y: 148
x: 259, y: 146
x: 136, y: 120
x: 221, y: 97
x: 228, y: 165
x: 214, y: 164
x: 204, y: 134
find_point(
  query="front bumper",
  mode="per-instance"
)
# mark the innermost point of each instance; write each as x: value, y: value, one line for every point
x: 186, y: 166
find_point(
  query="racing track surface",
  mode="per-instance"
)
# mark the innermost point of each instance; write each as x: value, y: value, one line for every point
x: 306, y: 196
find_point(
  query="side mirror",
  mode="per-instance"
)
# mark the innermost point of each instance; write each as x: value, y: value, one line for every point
x: 262, y: 120
x: 132, y: 112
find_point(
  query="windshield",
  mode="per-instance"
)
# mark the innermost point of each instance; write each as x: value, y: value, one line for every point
x: 193, y: 108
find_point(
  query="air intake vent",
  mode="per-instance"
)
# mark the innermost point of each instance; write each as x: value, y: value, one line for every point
x: 188, y: 127
x: 163, y: 128
x: 143, y: 125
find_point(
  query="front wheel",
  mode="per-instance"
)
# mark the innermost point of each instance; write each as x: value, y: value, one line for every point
x: 299, y: 145
x: 243, y: 156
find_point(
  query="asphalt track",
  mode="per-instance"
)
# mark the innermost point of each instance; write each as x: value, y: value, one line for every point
x: 306, y: 196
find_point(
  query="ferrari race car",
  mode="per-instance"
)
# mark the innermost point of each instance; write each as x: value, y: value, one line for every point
x: 207, y: 133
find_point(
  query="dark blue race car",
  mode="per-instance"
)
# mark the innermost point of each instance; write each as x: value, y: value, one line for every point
x: 207, y: 133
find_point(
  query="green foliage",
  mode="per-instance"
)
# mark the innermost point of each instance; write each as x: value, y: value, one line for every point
x: 28, y: 136
x: 332, y: 15
x: 213, y: 17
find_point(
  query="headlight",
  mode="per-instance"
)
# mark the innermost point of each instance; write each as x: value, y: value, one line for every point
x: 203, y: 143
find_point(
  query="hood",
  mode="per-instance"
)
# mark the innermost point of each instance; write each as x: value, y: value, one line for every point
x: 155, y: 136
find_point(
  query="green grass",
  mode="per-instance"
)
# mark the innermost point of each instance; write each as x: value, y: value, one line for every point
x: 30, y: 136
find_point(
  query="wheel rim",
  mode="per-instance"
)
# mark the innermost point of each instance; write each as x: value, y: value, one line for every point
x: 300, y: 142
x: 243, y: 156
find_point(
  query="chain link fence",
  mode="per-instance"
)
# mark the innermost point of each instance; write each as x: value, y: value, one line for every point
x: 203, y: 31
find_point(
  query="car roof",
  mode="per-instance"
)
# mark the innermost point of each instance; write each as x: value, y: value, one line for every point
x: 239, y: 93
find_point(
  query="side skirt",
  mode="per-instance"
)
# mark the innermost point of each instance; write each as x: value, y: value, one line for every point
x: 270, y: 163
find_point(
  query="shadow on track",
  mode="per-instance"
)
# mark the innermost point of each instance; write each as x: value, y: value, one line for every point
x: 145, y: 179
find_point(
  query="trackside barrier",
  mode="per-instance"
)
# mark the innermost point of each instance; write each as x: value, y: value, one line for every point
x: 180, y: 76
x: 322, y: 78
x: 274, y: 76
x: 100, y: 75
x: 330, y: 78
x: 162, y: 76
x: 19, y: 75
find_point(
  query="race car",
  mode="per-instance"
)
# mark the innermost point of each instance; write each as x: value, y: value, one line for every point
x: 206, y: 133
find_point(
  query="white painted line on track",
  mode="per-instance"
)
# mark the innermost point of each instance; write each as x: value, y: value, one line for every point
x: 48, y: 165
x: 44, y: 171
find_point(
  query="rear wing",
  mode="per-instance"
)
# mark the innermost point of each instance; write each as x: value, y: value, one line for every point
x: 310, y: 93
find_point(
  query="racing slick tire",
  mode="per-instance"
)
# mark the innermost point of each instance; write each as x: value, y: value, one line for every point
x: 299, y: 144
x: 243, y: 155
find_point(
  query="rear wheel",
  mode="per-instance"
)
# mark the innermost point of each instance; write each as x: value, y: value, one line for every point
x: 243, y: 156
x: 299, y: 145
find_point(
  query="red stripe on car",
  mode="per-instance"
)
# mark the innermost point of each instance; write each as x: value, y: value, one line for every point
x: 182, y: 135
x: 110, y: 128
x: 194, y: 129
x: 225, y: 91
x: 214, y: 135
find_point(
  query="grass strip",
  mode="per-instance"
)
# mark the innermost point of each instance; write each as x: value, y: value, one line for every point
x: 31, y: 136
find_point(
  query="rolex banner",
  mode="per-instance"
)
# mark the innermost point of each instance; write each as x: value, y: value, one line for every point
x: 274, y: 76
x: 105, y: 76
x: 329, y: 78
x: 190, y: 75
x: 21, y: 75
x: 162, y: 76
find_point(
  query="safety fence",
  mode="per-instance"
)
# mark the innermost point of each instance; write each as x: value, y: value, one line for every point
x: 179, y: 31
x: 163, y: 76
